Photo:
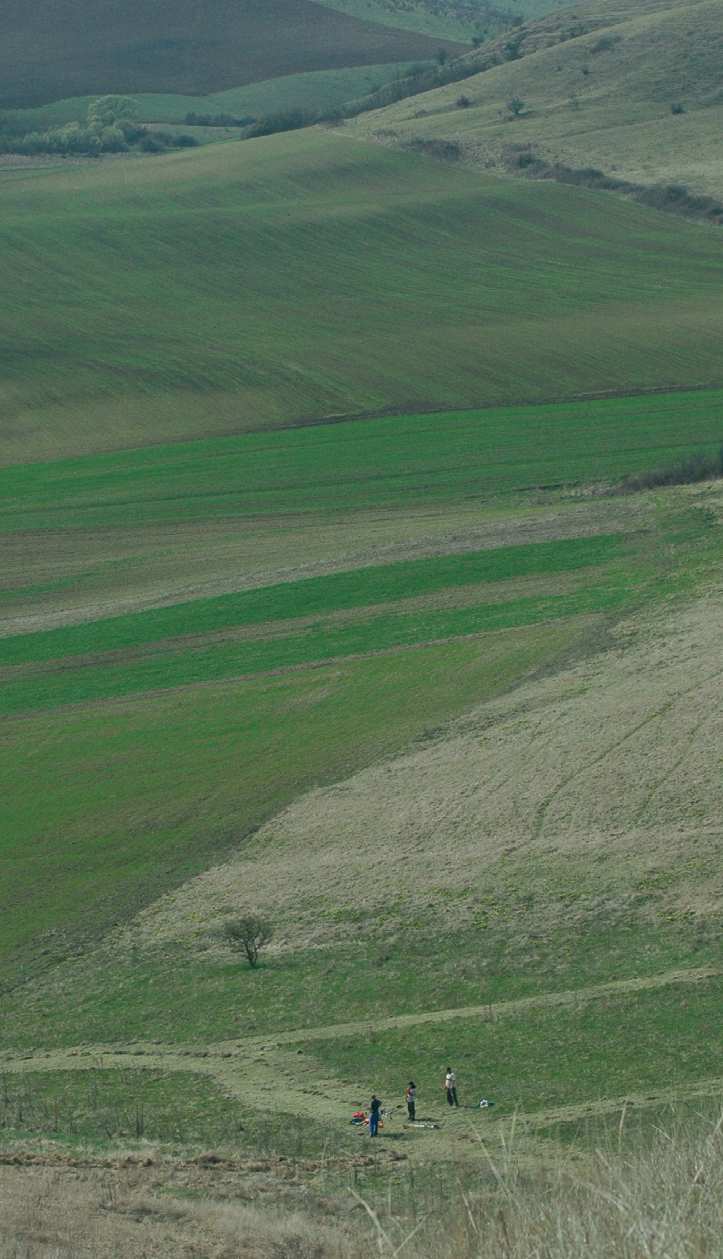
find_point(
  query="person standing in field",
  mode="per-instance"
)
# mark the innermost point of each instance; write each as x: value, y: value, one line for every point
x: 374, y: 1109
x: 450, y: 1084
x: 410, y: 1097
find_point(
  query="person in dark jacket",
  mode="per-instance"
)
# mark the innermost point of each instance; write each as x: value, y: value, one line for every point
x: 410, y: 1097
x: 374, y: 1110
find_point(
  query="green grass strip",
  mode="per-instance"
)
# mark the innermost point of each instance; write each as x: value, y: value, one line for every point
x: 383, y: 583
x: 246, y: 657
x: 390, y: 463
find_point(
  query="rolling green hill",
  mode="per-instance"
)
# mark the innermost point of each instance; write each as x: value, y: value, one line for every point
x: 289, y: 669
x: 321, y: 597
x: 261, y: 283
x: 597, y: 85
x: 455, y: 19
x: 54, y: 50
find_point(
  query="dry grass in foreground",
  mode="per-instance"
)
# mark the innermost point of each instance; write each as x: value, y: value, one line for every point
x: 661, y: 1203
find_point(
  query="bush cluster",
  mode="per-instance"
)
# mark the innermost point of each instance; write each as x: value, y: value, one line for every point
x: 685, y: 471
x: 110, y: 127
x: 284, y: 120
x: 218, y: 120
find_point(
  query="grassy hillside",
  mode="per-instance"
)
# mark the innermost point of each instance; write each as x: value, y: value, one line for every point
x: 597, y: 88
x: 57, y: 48
x: 265, y: 282
x: 320, y: 597
x: 457, y: 19
x: 459, y: 735
x: 414, y: 588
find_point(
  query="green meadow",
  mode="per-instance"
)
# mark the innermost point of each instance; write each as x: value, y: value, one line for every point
x: 535, y: 1060
x: 100, y: 1107
x: 253, y: 284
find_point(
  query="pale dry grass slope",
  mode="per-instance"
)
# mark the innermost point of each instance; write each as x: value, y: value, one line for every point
x: 598, y: 98
x: 609, y: 768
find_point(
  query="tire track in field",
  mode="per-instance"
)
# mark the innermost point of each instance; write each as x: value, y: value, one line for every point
x: 540, y: 816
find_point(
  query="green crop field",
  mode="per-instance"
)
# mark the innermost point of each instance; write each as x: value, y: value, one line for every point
x: 265, y: 281
x: 453, y: 19
x: 162, y: 701
x: 171, y: 47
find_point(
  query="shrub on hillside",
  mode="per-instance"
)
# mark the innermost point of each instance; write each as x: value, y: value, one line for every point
x: 605, y: 43
x: 684, y: 472
x: 285, y: 120
x: 512, y: 50
x: 248, y: 934
x: 218, y: 120
x: 445, y: 150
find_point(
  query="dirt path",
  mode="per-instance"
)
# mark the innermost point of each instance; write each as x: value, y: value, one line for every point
x: 497, y: 1010
x: 281, y: 1079
x: 68, y: 1059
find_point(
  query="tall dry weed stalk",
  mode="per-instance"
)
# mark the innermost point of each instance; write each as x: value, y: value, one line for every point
x: 664, y: 1202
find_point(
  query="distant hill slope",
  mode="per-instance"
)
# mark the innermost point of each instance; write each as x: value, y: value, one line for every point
x: 253, y: 283
x: 60, y: 48
x: 598, y: 85
x: 454, y: 18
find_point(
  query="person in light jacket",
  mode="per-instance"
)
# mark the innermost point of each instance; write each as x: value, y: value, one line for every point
x: 450, y: 1083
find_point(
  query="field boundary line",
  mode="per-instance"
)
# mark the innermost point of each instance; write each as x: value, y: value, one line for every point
x: 398, y: 412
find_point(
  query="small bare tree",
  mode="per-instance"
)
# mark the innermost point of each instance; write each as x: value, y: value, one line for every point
x: 248, y: 934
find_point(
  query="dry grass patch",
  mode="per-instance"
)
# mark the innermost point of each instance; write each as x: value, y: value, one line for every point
x: 659, y: 1202
x: 596, y: 88
x: 606, y: 770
